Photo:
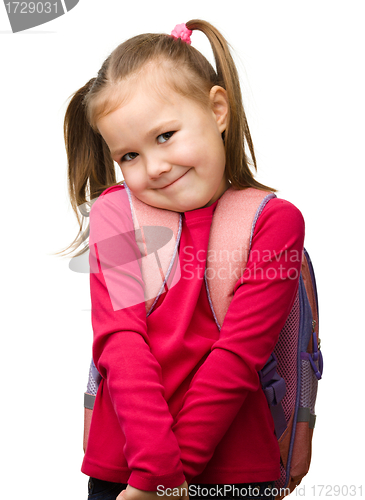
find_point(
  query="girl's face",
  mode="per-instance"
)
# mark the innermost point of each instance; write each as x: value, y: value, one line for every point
x: 169, y: 148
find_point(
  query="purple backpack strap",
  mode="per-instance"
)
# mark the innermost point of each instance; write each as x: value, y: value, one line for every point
x: 274, y: 388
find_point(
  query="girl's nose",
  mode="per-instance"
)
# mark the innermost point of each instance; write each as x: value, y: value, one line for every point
x: 155, y: 166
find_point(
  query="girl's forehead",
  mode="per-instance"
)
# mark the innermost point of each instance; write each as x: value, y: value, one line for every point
x: 155, y: 84
x: 142, y: 86
x: 141, y: 104
x: 152, y: 81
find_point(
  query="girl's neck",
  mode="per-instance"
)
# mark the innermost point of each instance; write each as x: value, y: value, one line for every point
x: 220, y: 191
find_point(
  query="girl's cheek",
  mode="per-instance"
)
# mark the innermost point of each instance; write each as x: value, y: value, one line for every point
x: 189, y: 154
x: 137, y: 181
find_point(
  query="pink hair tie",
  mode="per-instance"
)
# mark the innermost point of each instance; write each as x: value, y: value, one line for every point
x: 181, y: 31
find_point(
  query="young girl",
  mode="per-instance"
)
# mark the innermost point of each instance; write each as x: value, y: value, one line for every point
x: 180, y: 401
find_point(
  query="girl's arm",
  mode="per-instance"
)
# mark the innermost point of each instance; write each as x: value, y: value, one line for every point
x: 261, y: 303
x: 121, y: 349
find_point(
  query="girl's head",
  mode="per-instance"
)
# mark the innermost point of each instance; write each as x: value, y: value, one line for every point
x: 168, y: 146
x: 159, y: 109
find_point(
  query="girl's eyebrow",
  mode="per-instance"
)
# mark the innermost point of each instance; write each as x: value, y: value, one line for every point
x: 162, y: 127
x: 116, y: 152
x: 165, y: 126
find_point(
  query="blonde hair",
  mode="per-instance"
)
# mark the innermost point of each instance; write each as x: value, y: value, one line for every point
x: 90, y: 166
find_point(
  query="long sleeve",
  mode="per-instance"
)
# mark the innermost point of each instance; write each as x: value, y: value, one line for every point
x: 121, y: 349
x: 263, y: 297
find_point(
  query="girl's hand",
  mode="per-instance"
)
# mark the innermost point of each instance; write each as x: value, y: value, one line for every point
x: 131, y: 493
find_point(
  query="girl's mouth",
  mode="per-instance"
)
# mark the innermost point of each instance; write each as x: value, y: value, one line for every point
x: 173, y: 182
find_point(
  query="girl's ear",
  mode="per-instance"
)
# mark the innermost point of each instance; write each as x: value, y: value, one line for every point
x: 220, y: 107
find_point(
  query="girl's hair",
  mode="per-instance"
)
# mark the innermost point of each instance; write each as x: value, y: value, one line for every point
x: 90, y: 166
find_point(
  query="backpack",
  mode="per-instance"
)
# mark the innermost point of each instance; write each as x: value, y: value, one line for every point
x: 290, y: 382
x: 290, y: 376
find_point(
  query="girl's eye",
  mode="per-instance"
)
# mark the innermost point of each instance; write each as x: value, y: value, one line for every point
x: 129, y: 156
x: 164, y: 137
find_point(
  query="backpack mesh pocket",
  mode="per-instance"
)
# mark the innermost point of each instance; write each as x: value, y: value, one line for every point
x: 309, y: 386
x: 93, y: 381
x: 286, y: 353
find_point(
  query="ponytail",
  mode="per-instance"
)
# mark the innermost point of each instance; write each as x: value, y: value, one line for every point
x: 90, y: 166
x: 237, y: 132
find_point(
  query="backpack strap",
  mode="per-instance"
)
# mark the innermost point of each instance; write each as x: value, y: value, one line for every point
x: 274, y: 388
x: 158, y: 235
x: 228, y: 248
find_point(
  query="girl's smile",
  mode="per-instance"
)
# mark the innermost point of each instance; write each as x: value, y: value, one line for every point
x: 174, y: 182
x: 169, y: 147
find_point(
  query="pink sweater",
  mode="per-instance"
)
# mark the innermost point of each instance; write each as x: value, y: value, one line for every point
x: 179, y: 399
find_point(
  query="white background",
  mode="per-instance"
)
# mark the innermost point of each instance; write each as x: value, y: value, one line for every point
x: 302, y: 68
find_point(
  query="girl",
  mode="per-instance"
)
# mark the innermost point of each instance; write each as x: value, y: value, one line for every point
x: 180, y: 401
